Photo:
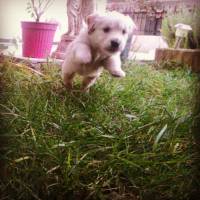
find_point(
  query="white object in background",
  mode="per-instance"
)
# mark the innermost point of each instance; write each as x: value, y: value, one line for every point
x: 182, y: 30
x: 181, y: 33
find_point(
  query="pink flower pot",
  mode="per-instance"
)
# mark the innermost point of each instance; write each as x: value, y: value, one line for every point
x: 37, y: 39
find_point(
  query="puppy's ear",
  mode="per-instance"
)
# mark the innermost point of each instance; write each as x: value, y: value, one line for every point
x: 131, y: 25
x: 91, y: 21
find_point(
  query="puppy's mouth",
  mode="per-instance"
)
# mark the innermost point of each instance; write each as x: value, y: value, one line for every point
x: 111, y: 49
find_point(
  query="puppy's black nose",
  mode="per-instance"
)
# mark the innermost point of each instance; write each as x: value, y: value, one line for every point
x: 114, y: 44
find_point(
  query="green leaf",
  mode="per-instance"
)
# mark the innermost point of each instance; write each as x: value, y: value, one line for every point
x: 160, y: 134
x: 22, y: 159
x: 108, y: 136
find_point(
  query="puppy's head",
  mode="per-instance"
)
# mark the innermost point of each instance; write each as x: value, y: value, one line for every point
x: 108, y: 33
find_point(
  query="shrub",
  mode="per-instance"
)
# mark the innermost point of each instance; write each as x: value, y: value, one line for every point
x: 37, y: 8
x: 187, y: 17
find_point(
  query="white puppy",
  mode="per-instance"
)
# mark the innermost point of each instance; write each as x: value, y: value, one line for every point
x: 98, y: 45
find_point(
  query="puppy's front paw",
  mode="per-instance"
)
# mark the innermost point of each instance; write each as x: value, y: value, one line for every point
x: 118, y: 73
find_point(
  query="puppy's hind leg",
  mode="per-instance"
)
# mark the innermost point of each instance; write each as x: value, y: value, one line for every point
x: 67, y: 79
x: 88, y: 82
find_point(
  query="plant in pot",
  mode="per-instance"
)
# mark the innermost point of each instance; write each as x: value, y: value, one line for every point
x: 37, y: 37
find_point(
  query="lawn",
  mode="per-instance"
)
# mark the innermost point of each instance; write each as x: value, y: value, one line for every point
x: 128, y: 138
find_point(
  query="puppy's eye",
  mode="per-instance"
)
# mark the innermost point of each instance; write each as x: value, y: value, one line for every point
x: 123, y: 31
x: 106, y: 29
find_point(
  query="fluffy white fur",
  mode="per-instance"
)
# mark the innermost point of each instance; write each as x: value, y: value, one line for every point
x: 98, y: 46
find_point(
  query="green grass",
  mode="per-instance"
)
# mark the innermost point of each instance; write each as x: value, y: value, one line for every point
x: 127, y: 139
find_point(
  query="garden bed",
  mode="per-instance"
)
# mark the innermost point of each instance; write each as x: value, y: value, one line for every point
x: 190, y: 57
x: 128, y: 139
